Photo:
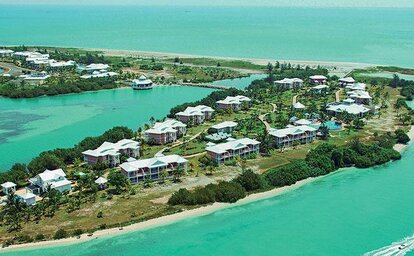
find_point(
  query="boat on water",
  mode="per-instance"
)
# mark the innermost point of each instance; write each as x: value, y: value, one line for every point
x: 142, y: 83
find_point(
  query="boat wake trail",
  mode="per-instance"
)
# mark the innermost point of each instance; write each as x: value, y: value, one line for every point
x: 397, y: 248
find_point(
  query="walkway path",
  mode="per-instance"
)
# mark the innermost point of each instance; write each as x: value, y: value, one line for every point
x: 295, y: 99
x: 263, y: 116
x: 181, y: 142
x: 338, y: 95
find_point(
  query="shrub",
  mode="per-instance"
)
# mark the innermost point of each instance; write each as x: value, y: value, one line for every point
x: 77, y: 232
x: 401, y: 136
x: 229, y: 192
x: 24, y: 239
x: 250, y: 181
x: 40, y: 237
x: 99, y: 215
x: 180, y: 197
x: 60, y: 234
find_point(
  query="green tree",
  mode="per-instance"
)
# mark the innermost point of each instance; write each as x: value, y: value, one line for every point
x: 118, y: 180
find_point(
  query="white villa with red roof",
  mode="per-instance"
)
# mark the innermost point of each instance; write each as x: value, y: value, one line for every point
x: 318, y: 79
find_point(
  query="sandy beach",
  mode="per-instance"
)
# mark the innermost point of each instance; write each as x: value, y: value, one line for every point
x: 402, y: 147
x: 340, y: 68
x: 165, y: 220
x: 169, y: 219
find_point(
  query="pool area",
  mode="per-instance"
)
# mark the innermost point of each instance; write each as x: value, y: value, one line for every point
x: 332, y: 125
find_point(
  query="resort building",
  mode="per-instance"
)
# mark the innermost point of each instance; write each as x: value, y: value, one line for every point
x: 101, y: 182
x: 28, y: 198
x: 165, y: 132
x: 356, y: 87
x: 320, y: 89
x: 234, y: 103
x: 48, y: 179
x: 346, y: 81
x: 360, y: 97
x: 110, y: 152
x: 301, y: 122
x: 228, y: 150
x: 218, y: 137
x: 318, y: 79
x: 349, y: 106
x: 35, y: 79
x: 195, y: 115
x: 142, y: 83
x: 99, y: 74
x: 61, y: 65
x: 225, y: 127
x: 299, y: 106
x: 138, y: 171
x: 286, y: 137
x: 289, y: 83
x: 8, y: 187
x: 96, y: 67
x: 6, y: 53
x: 29, y: 56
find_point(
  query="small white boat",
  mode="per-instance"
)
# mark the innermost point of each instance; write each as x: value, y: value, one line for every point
x: 142, y: 83
x: 401, y: 247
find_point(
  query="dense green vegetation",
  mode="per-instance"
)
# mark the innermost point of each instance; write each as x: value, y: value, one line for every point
x: 13, y: 90
x: 322, y: 160
x: 210, y: 100
x: 327, y: 158
x: 224, y: 191
x: 59, y: 158
x: 219, y: 63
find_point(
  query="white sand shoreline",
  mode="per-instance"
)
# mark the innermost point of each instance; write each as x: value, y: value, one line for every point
x: 337, y: 67
x: 401, y: 147
x: 170, y: 219
x: 164, y: 220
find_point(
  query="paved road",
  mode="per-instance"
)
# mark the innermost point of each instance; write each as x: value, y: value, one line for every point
x: 12, y: 69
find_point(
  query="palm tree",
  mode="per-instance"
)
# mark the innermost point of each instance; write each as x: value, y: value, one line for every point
x: 163, y: 175
x: 210, y: 170
x: 152, y: 120
x: 178, y: 172
x: 191, y: 165
x: 398, y: 105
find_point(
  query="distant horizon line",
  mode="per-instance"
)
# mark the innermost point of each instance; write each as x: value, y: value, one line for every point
x: 212, y: 6
x: 220, y: 6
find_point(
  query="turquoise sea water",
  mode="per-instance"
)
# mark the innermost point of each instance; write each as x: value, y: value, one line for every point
x: 350, y: 212
x: 30, y: 126
x: 371, y: 35
x: 240, y: 83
